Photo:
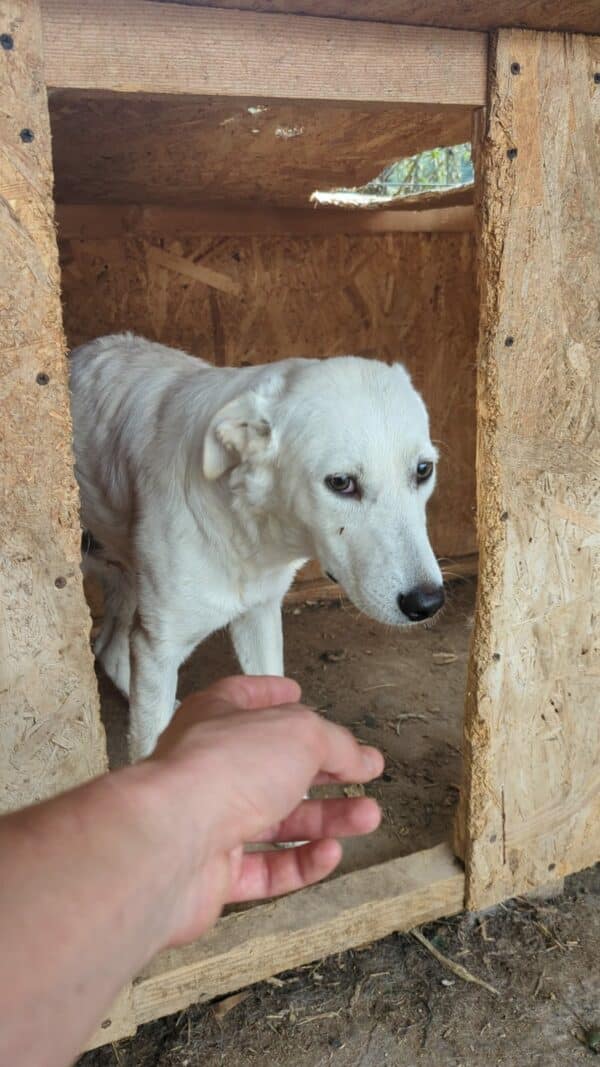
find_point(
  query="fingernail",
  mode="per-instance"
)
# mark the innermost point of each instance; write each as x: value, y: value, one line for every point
x: 373, y: 761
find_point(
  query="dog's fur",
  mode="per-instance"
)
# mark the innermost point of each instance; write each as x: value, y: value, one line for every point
x: 204, y: 490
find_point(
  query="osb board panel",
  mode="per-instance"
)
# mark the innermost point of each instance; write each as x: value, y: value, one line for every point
x: 531, y: 808
x: 50, y: 733
x: 403, y: 296
x: 581, y: 15
x: 163, y: 150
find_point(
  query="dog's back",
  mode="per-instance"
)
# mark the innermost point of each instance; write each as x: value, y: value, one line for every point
x: 119, y: 385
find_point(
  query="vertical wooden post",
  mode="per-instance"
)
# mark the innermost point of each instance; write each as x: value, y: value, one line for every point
x: 530, y: 810
x: 50, y: 731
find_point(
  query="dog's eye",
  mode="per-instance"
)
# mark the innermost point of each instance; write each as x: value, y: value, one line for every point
x: 424, y: 471
x: 342, y: 483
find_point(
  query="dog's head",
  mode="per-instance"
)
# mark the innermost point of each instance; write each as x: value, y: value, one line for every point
x: 339, y: 453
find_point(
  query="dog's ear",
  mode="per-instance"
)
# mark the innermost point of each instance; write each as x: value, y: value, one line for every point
x: 239, y: 432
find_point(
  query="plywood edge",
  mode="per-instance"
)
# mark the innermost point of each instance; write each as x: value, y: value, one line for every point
x: 462, y: 195
x: 101, y: 221
x: 248, y: 946
x: 133, y: 46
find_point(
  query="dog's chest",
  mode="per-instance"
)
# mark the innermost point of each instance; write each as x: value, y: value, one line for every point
x: 215, y: 591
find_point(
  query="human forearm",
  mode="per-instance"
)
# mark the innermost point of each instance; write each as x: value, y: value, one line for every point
x: 97, y: 880
x: 87, y: 887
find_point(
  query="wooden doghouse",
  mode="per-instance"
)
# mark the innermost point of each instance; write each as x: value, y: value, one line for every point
x: 186, y: 141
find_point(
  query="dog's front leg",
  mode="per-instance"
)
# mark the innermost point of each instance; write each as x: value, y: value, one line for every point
x: 155, y: 660
x: 258, y: 639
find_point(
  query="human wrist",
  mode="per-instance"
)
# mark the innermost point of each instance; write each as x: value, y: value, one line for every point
x: 168, y: 845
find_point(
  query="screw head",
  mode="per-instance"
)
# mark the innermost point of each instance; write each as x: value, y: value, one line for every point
x: 7, y: 41
x: 42, y: 378
x: 509, y: 342
x: 27, y: 135
x: 512, y: 153
x: 515, y: 68
x: 597, y: 78
x: 60, y: 582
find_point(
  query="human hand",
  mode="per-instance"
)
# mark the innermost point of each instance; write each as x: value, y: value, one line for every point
x: 235, y: 765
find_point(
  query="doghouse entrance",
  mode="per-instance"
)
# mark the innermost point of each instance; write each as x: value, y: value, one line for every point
x: 342, y: 281
x: 189, y: 222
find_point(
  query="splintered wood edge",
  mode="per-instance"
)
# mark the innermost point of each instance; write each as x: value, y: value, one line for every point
x: 249, y: 946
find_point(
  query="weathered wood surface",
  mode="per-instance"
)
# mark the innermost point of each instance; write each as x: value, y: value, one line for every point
x: 250, y: 945
x: 531, y: 804
x: 581, y: 15
x: 133, y: 46
x: 339, y: 914
x: 50, y: 733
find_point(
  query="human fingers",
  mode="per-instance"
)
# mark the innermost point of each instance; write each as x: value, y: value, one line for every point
x: 343, y: 759
x: 334, y: 779
x: 316, y: 819
x: 260, y: 875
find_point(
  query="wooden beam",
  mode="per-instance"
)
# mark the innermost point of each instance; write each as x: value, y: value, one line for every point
x: 135, y: 46
x: 50, y: 732
x: 248, y: 946
x: 581, y: 16
x: 100, y: 221
x: 530, y: 809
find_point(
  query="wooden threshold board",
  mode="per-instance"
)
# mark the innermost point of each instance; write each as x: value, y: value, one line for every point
x: 249, y: 946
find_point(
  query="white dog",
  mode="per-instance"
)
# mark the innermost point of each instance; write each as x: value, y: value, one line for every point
x: 204, y: 490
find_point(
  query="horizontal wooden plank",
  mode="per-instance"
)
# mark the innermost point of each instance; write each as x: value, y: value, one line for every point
x: 251, y: 945
x: 136, y: 46
x: 101, y: 221
x: 578, y: 15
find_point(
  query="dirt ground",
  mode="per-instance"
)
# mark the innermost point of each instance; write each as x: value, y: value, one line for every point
x: 402, y: 690
x: 392, y: 1002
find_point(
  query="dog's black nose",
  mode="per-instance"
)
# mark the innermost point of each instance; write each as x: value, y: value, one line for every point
x: 422, y: 602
